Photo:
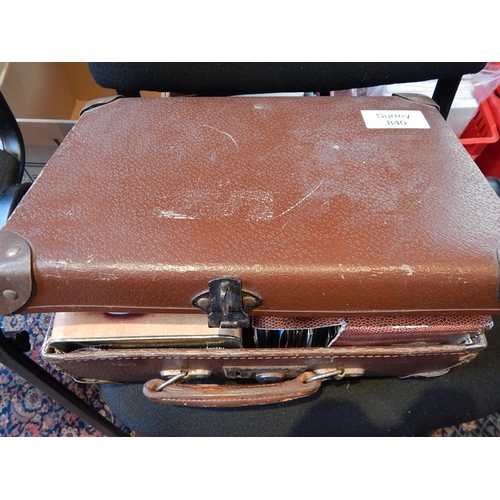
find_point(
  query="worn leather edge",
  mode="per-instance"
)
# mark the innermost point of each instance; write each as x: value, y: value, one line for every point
x: 265, y: 354
x: 101, y: 101
x: 418, y: 99
x: 78, y: 371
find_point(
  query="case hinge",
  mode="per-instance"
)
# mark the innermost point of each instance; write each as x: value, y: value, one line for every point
x: 226, y: 304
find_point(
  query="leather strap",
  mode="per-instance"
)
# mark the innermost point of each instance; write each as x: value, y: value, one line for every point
x: 226, y: 395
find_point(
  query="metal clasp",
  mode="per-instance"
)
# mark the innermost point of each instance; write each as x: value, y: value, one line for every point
x: 226, y: 304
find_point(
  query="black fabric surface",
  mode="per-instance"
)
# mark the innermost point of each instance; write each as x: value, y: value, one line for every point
x: 244, y: 78
x: 355, y: 407
x: 9, y: 169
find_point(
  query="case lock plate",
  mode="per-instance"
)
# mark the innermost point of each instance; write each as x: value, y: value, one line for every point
x: 226, y: 304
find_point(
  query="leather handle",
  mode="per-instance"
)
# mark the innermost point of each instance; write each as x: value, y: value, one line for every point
x: 226, y: 395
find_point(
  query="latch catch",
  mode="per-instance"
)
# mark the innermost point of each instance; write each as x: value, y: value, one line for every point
x: 226, y: 304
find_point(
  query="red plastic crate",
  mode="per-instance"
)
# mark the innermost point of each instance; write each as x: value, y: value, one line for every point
x: 489, y: 160
x: 481, y: 131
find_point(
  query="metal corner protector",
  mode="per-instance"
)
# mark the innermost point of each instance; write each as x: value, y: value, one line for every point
x: 16, y: 281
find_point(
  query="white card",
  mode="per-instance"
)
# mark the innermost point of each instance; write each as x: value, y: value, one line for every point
x: 394, y: 118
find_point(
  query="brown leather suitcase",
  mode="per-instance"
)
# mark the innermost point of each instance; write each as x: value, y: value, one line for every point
x: 336, y: 236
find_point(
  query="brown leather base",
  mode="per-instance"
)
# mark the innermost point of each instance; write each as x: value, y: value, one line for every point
x: 139, y: 365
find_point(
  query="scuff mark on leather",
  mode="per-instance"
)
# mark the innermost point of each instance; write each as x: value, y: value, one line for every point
x: 225, y: 133
x: 407, y: 269
x: 301, y: 200
x: 169, y: 214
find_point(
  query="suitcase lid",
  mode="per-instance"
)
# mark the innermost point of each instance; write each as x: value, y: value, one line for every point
x: 312, y: 206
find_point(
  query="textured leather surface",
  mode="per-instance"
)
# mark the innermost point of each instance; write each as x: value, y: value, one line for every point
x: 140, y: 365
x: 380, y: 330
x: 149, y: 199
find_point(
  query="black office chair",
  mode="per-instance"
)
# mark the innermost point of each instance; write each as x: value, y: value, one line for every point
x: 218, y: 79
x: 364, y: 407
x: 12, y: 189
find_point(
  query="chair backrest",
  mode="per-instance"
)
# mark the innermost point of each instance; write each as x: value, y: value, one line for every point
x: 252, y: 78
x: 12, y: 158
x: 11, y: 147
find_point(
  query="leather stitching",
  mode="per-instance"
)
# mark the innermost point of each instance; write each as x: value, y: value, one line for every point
x: 252, y: 358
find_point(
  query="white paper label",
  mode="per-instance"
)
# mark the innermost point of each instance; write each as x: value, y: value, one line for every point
x: 394, y: 118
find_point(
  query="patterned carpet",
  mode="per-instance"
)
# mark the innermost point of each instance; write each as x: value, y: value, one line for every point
x: 26, y: 411
x: 485, y: 427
